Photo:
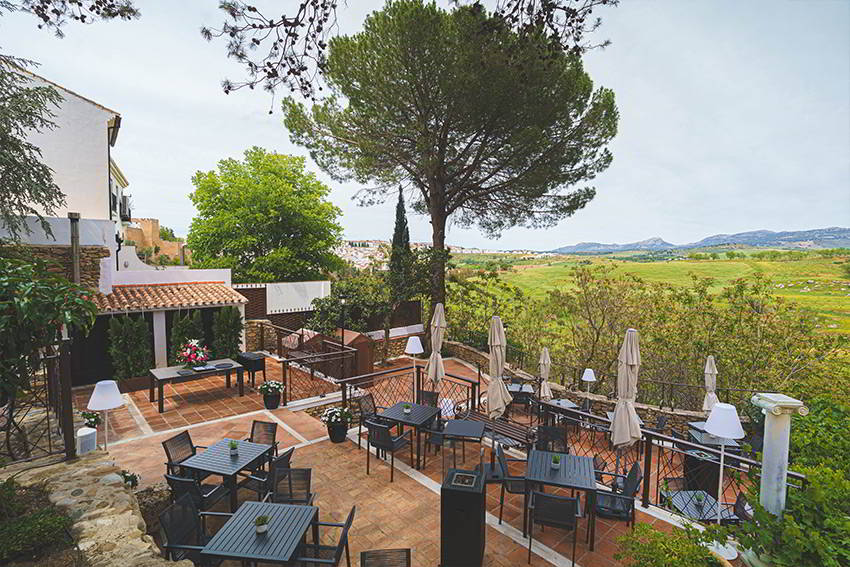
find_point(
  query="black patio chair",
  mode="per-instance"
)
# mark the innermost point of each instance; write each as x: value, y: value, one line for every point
x: 553, y: 511
x: 428, y: 397
x: 621, y: 505
x: 260, y: 481
x: 291, y: 486
x: 183, y: 533
x: 368, y: 412
x: 312, y: 554
x: 264, y: 433
x: 178, y: 449
x: 204, y: 496
x: 740, y: 507
x: 433, y: 433
x: 499, y: 473
x: 381, y: 439
x: 551, y: 438
x: 385, y: 558
x: 660, y: 423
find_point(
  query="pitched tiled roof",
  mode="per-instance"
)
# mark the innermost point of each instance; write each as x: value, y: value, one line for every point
x: 166, y: 296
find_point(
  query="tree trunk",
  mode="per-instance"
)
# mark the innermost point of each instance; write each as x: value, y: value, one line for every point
x: 438, y: 260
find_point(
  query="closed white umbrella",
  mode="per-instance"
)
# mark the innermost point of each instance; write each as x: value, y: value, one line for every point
x: 498, y: 396
x: 625, y: 426
x: 545, y: 366
x: 435, y: 369
x: 710, y: 384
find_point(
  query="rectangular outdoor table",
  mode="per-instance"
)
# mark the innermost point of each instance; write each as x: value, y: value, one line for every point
x: 159, y: 376
x: 685, y: 502
x: 700, y: 436
x: 610, y: 415
x: 463, y: 430
x: 553, y: 406
x: 238, y: 540
x: 574, y: 472
x: 520, y: 388
x: 418, y: 417
x: 216, y: 460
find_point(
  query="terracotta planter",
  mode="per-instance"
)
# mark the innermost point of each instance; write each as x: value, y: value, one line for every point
x: 337, y: 432
x: 271, y: 401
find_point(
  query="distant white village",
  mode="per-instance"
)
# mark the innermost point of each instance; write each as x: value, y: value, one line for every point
x: 365, y: 253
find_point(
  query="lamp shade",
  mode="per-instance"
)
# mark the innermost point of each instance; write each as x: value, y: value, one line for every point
x: 723, y: 422
x: 588, y: 375
x: 414, y: 346
x: 106, y: 396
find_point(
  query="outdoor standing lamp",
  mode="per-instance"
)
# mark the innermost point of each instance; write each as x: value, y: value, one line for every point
x: 723, y: 422
x: 105, y: 397
x: 588, y: 377
x: 414, y: 347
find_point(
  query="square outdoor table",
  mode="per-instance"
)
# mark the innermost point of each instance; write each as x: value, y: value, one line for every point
x: 703, y: 438
x: 551, y: 407
x: 418, y: 417
x: 463, y: 430
x: 574, y: 472
x: 610, y: 415
x: 520, y: 388
x: 217, y: 460
x: 685, y: 502
x: 159, y: 376
x: 238, y: 540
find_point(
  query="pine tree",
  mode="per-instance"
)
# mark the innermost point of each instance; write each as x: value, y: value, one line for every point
x: 400, y: 248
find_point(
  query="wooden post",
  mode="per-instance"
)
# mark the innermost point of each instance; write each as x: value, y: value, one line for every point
x: 66, y: 414
x: 647, y: 468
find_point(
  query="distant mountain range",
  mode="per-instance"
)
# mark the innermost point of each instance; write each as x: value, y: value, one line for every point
x: 833, y: 237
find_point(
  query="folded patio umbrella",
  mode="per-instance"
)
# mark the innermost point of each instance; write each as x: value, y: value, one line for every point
x: 625, y: 427
x: 435, y: 369
x: 498, y: 396
x: 545, y: 366
x: 710, y: 384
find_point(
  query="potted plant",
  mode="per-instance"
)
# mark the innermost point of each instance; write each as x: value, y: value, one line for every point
x: 234, y: 448
x: 261, y: 524
x: 556, y: 462
x: 131, y: 479
x: 699, y: 500
x: 337, y: 420
x: 406, y: 408
x: 91, y: 419
x: 193, y: 355
x: 271, y: 391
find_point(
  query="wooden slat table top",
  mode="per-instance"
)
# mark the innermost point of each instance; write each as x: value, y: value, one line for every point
x: 217, y: 460
x: 685, y: 501
x: 419, y: 415
x: 562, y: 403
x: 575, y: 471
x: 171, y: 372
x: 237, y: 538
x: 465, y: 428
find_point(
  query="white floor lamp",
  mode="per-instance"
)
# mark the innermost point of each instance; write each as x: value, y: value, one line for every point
x: 723, y: 422
x: 414, y: 347
x: 106, y: 396
x: 588, y: 377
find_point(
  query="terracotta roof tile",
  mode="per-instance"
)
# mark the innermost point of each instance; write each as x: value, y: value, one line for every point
x: 167, y: 296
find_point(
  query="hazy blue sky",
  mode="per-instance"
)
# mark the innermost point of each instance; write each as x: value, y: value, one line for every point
x: 734, y: 115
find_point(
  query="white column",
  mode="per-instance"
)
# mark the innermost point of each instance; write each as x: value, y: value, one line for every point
x: 777, y: 409
x: 242, y: 315
x: 160, y: 345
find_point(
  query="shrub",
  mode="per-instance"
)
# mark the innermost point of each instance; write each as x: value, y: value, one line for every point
x: 129, y: 346
x: 819, y: 437
x: 646, y: 546
x: 29, y: 524
x: 227, y: 333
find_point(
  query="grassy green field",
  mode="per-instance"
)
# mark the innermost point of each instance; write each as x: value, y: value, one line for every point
x: 816, y: 283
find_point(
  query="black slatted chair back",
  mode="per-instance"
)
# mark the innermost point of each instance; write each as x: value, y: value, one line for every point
x: 263, y: 432
x: 661, y: 422
x: 292, y: 486
x: 555, y: 511
x: 585, y: 405
x: 633, y: 480
x: 678, y: 436
x: 516, y: 486
x: 178, y: 449
x: 181, y: 486
x: 181, y: 525
x: 385, y: 558
x: 380, y: 436
x: 428, y: 398
x: 599, y: 466
x: 366, y: 405
x: 343, y: 538
x: 552, y: 438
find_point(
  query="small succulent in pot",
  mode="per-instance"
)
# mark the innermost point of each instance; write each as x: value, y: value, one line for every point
x: 406, y: 408
x: 234, y: 448
x: 261, y: 524
x: 91, y: 418
x: 699, y: 498
x: 556, y: 461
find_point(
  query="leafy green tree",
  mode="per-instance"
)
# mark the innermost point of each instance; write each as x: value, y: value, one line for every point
x: 266, y: 218
x: 129, y: 346
x: 184, y: 329
x: 166, y: 233
x: 227, y: 333
x: 487, y: 125
x: 366, y: 298
x: 26, y: 184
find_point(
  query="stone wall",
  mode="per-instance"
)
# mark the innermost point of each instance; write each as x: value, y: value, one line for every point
x: 108, y: 525
x: 396, y: 348
x: 59, y: 261
x: 253, y: 335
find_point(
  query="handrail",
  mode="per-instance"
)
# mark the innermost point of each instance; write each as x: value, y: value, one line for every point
x: 375, y: 374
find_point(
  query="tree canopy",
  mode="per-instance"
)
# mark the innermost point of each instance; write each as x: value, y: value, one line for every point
x: 487, y: 126
x: 266, y: 218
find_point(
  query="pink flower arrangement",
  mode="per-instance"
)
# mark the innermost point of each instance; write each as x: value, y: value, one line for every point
x: 192, y: 353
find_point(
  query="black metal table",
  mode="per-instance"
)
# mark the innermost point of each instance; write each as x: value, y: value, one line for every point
x: 574, y: 472
x: 551, y: 407
x: 159, y: 376
x: 238, y: 540
x: 418, y: 417
x: 610, y: 415
x: 699, y: 434
x: 520, y: 388
x: 217, y: 460
x: 462, y: 430
x: 685, y: 502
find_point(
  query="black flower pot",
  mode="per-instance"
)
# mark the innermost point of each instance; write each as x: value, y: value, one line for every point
x: 271, y: 401
x: 337, y: 431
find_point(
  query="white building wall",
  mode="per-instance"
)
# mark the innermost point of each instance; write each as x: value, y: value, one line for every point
x: 77, y: 152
